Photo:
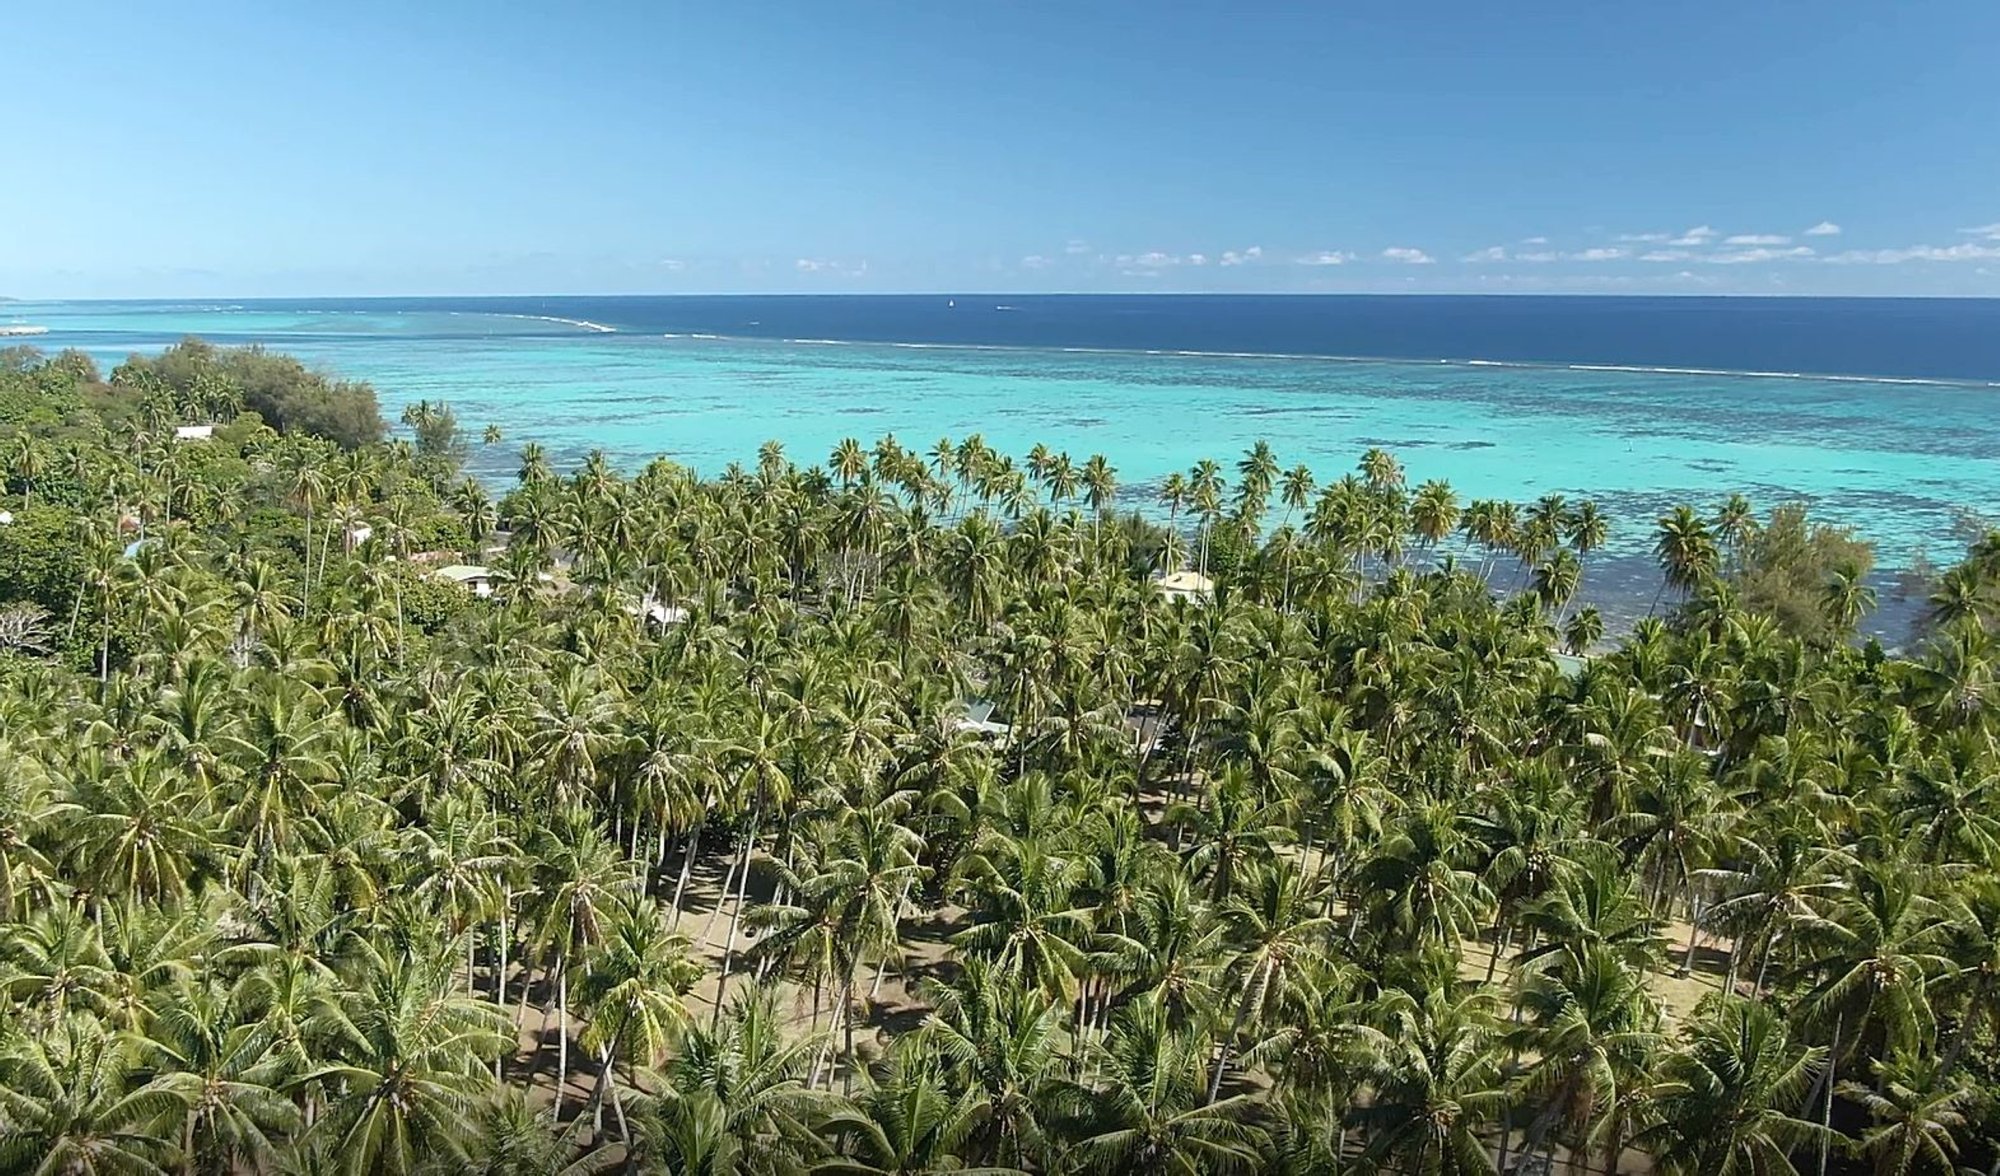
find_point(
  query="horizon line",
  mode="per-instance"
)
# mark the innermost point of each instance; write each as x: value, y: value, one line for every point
x: 978, y: 293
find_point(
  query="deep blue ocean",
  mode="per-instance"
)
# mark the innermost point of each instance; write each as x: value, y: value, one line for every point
x: 1953, y: 339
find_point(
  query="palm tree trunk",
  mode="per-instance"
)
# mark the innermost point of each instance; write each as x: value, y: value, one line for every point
x: 562, y: 1036
x: 606, y: 1081
x: 721, y: 898
x: 847, y: 1028
x: 687, y: 863
x: 735, y: 916
x: 1964, y: 1028
x: 527, y: 986
x: 742, y: 896
x: 500, y: 990
x: 659, y: 869
x: 1253, y: 992
x: 1499, y: 945
x: 305, y: 591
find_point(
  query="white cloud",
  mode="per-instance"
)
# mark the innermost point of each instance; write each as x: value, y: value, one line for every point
x: 1035, y: 261
x: 1699, y: 235
x: 1964, y: 251
x: 1644, y: 238
x: 1075, y: 247
x: 672, y: 263
x: 1829, y: 229
x: 808, y: 265
x: 1407, y: 255
x: 1544, y: 256
x: 1534, y: 240
x: 1326, y: 257
x: 1242, y: 257
x: 1150, y: 263
x: 1757, y: 239
x: 1666, y: 255
x: 1990, y: 232
x: 815, y: 265
x: 1749, y: 256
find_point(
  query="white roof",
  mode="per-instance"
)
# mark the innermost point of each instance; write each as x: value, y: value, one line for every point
x: 193, y: 432
x: 981, y: 727
x: 1187, y: 582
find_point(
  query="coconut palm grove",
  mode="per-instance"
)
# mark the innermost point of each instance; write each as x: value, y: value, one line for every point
x: 923, y: 808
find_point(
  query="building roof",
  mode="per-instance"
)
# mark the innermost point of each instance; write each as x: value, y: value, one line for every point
x: 658, y: 612
x: 193, y: 432
x: 463, y: 573
x: 1186, y: 582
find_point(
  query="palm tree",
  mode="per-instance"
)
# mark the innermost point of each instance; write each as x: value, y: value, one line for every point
x: 1686, y: 550
x: 28, y: 461
x: 1583, y: 630
x: 71, y: 1105
x: 1435, y: 1080
x: 1418, y: 888
x: 1381, y: 469
x: 1434, y: 512
x: 1869, y: 957
x: 215, y: 1063
x: 1273, y: 937
x: 28, y: 809
x: 411, y: 1062
x: 1295, y: 491
x: 509, y: 1136
x: 908, y: 1121
x: 1592, y: 1035
x: 633, y: 992
x: 1917, y: 1109
x: 1720, y: 1094
x: 582, y: 878
x: 734, y: 1099
x: 999, y: 1039
x: 1150, y: 1115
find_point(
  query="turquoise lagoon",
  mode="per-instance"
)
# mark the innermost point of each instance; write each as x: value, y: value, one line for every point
x: 1897, y: 460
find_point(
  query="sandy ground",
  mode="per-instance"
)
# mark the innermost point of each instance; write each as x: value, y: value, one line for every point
x: 898, y: 1006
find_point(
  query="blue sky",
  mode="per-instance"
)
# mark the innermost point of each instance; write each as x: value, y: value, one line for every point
x: 215, y: 148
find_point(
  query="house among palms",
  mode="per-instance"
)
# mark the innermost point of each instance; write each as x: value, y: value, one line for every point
x: 1190, y: 586
x: 193, y: 432
x: 476, y: 578
x: 657, y: 612
x: 978, y: 720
